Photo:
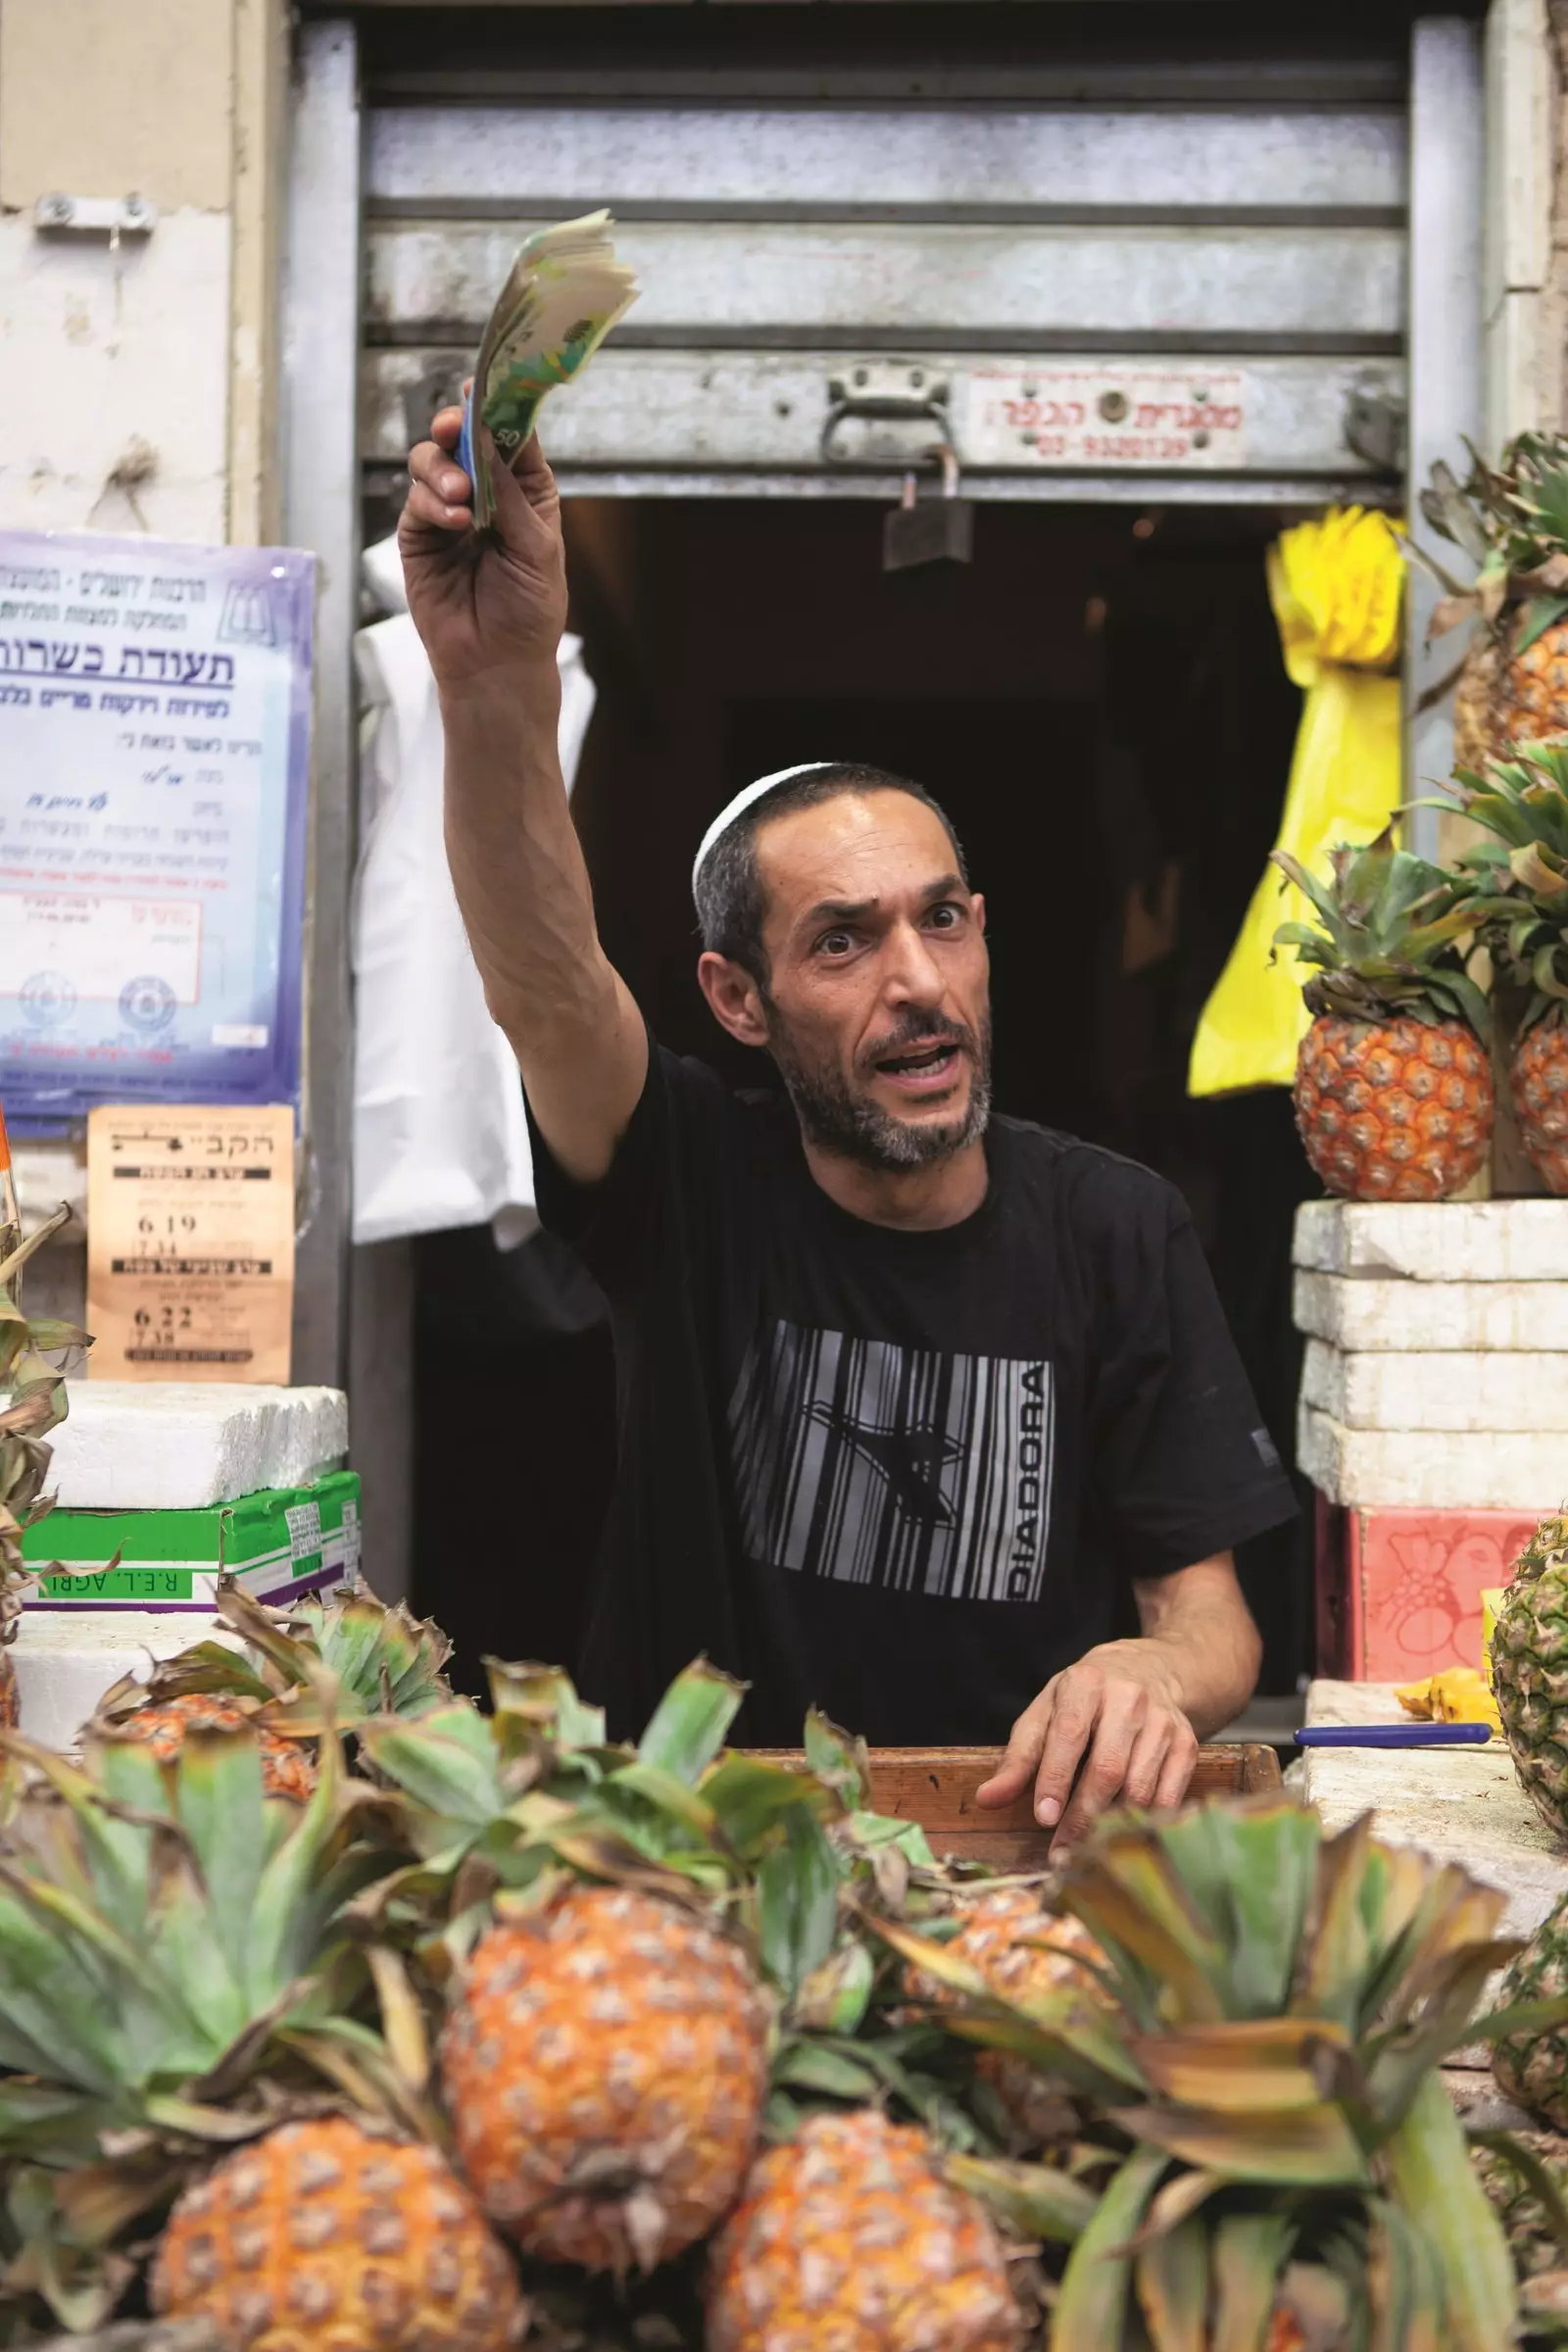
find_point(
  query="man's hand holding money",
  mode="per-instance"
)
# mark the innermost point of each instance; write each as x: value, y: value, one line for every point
x: 489, y: 604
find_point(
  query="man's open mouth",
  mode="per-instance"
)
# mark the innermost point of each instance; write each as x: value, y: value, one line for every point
x: 922, y: 1065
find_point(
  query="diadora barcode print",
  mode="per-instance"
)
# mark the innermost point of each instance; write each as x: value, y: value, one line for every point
x: 903, y: 1467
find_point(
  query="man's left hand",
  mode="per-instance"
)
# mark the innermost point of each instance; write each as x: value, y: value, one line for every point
x: 1109, y: 1730
x: 1122, y: 1726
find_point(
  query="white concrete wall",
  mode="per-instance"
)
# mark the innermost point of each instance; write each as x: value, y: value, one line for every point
x: 136, y: 382
x: 140, y: 391
x: 139, y: 379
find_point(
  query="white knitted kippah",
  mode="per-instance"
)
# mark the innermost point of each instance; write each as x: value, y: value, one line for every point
x: 743, y: 800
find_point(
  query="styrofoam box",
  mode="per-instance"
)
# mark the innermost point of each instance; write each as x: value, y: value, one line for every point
x: 1465, y: 1389
x: 1413, y: 1469
x: 1439, y: 1240
x: 65, y: 1663
x: 178, y: 1445
x: 1355, y: 1312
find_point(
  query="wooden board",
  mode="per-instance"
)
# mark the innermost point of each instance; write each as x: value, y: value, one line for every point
x: 936, y: 1786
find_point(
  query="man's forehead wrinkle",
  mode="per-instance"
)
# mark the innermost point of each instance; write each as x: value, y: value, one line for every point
x: 847, y: 911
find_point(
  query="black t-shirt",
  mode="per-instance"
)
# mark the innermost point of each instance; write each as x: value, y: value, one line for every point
x: 895, y: 1475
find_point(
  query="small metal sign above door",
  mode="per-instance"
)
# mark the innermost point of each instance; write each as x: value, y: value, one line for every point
x: 1103, y: 418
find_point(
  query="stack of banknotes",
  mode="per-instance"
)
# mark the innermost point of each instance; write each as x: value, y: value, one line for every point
x: 564, y: 293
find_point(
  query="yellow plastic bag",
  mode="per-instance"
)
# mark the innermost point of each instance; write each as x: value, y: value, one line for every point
x: 1335, y: 587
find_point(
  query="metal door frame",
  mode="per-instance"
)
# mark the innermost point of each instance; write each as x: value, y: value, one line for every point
x: 1444, y: 352
x: 321, y: 473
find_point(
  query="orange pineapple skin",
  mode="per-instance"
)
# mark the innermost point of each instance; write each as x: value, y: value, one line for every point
x: 286, y: 1769
x: 605, y: 2065
x: 1394, y: 1110
x: 848, y: 2239
x: 10, y: 1694
x: 1504, y: 699
x: 1538, y: 1080
x: 1021, y: 1948
x: 326, y: 2238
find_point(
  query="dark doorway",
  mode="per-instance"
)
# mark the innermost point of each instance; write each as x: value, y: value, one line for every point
x: 1099, y: 702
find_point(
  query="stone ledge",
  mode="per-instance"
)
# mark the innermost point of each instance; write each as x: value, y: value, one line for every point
x: 1461, y: 1804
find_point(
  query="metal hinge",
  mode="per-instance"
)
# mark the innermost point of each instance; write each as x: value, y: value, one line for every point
x: 883, y: 391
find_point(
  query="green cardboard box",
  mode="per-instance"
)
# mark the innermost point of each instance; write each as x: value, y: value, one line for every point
x: 279, y: 1544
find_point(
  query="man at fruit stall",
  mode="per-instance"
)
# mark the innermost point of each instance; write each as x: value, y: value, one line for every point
x: 907, y: 1391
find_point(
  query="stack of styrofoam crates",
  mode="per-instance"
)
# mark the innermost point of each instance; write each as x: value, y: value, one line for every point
x: 160, y: 1488
x: 1434, y: 1416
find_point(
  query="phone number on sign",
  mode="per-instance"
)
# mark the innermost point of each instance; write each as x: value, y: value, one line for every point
x: 1081, y: 449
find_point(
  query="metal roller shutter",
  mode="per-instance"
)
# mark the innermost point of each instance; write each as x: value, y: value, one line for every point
x: 1126, y: 280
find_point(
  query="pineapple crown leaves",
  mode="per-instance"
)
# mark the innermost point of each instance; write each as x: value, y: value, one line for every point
x: 163, y: 1928
x: 339, y: 1660
x: 495, y: 1808
x: 1519, y: 875
x: 1391, y: 938
x: 1546, y: 1549
x: 1511, y: 520
x: 1279, y: 2004
x: 1171, y: 2260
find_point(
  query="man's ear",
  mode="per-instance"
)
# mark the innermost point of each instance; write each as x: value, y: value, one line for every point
x: 733, y: 996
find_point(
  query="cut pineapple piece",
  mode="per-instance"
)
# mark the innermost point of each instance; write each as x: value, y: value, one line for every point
x: 1458, y: 1694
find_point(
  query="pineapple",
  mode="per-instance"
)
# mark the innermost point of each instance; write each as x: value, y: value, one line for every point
x: 1281, y: 2155
x: 1393, y: 1096
x: 330, y: 2233
x: 1532, y: 2067
x: 849, y: 2239
x: 605, y: 2053
x: 167, y: 1934
x: 1538, y: 1077
x: 1018, y: 1946
x: 1512, y: 522
x: 376, y: 1659
x: 33, y: 1402
x: 1521, y: 877
x: 620, y: 1926
x: 161, y: 1727
x: 1528, y: 1663
x: 605, y: 2063
x: 1533, y: 2242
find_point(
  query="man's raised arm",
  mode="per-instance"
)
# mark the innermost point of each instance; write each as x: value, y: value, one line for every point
x: 491, y: 610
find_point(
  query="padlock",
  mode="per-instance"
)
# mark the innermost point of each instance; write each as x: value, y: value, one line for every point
x: 929, y: 530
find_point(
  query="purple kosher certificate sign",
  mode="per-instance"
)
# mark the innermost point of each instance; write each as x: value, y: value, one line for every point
x: 155, y: 704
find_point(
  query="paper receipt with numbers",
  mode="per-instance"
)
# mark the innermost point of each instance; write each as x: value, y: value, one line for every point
x: 191, y: 1242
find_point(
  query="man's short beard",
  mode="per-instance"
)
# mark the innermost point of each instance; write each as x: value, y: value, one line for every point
x: 853, y: 1127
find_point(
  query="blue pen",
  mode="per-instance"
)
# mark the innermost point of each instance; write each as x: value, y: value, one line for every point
x: 1395, y: 1735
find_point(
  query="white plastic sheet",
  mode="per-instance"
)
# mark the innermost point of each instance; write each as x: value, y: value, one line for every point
x: 439, y: 1134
